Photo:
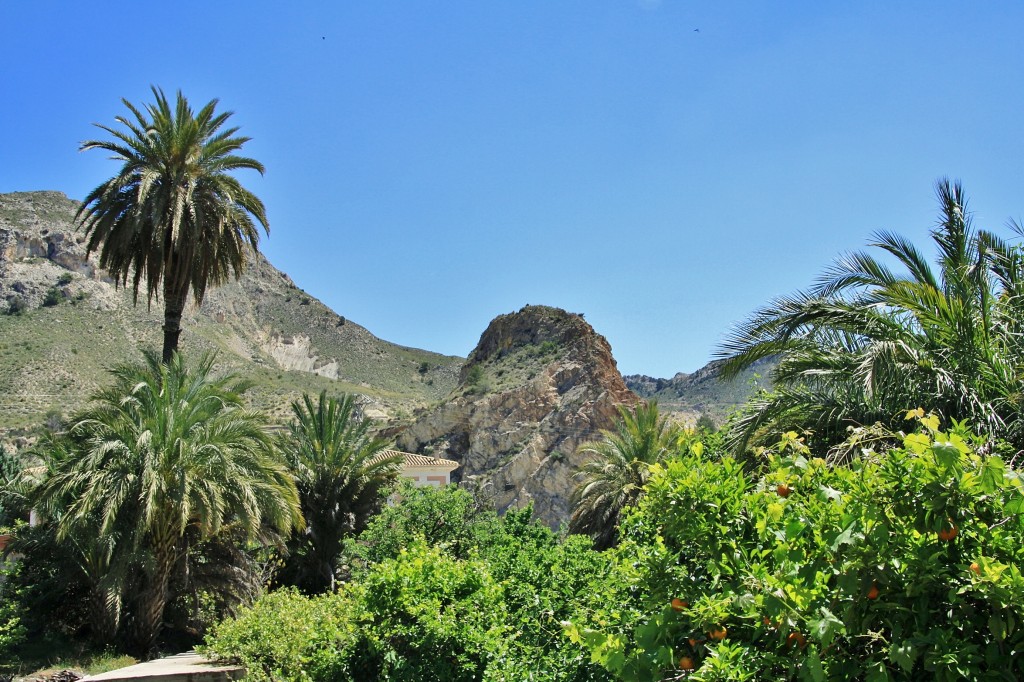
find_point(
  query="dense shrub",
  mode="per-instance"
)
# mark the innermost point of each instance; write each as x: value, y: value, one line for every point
x: 12, y: 631
x: 906, y: 565
x: 442, y: 589
x: 286, y: 636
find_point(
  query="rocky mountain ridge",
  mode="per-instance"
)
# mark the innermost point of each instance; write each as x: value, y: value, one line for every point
x: 704, y: 392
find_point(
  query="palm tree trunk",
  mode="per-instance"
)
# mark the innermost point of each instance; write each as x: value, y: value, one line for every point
x: 105, y: 614
x: 174, y: 305
x: 153, y: 597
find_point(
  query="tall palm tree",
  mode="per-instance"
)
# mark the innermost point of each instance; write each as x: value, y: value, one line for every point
x: 615, y: 478
x: 868, y: 342
x: 173, y: 218
x: 167, y: 449
x: 340, y: 470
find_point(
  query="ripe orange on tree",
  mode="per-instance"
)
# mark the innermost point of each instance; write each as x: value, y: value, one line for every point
x: 718, y: 633
x: 678, y: 604
x: 783, y: 490
x: 686, y: 663
x: 873, y: 592
x: 975, y: 568
x: 948, y: 533
x: 796, y: 639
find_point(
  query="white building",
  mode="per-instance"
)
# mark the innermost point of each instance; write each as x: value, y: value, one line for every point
x: 423, y: 469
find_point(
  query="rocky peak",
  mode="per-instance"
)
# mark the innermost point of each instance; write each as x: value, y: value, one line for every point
x: 539, y: 383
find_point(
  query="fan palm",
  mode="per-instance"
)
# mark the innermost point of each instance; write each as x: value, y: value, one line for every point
x: 173, y: 218
x: 615, y: 478
x: 339, y: 470
x: 868, y: 342
x: 165, y: 449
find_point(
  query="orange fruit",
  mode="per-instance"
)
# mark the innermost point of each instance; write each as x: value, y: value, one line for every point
x: 796, y: 639
x: 873, y: 592
x: 947, y: 534
x: 783, y: 490
x: 693, y: 642
x: 718, y: 634
x: 686, y: 663
x: 976, y: 568
x: 678, y: 604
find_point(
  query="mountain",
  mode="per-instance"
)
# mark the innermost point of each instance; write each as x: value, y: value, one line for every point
x: 704, y: 392
x: 540, y: 382
x: 63, y: 324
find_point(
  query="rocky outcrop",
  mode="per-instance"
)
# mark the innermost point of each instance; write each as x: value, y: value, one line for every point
x: 539, y: 383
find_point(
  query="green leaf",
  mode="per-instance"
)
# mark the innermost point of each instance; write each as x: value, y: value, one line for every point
x: 997, y: 626
x: 877, y: 673
x: 813, y: 667
x: 794, y: 528
x: 844, y: 538
x: 903, y: 654
x: 825, y: 629
x: 947, y: 455
x: 1014, y: 506
x: 992, y: 474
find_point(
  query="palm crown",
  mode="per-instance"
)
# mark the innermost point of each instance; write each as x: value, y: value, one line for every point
x: 166, y: 449
x: 868, y: 342
x: 173, y: 219
x: 614, y: 478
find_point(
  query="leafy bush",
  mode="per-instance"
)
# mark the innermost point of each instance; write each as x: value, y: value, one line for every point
x: 64, y: 279
x: 16, y: 305
x: 426, y: 616
x: 12, y: 631
x: 443, y: 589
x: 285, y: 636
x: 903, y: 566
x: 53, y: 297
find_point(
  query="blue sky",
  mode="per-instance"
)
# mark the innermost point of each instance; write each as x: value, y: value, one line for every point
x: 431, y: 165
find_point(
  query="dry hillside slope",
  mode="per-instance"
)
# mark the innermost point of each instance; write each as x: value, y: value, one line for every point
x: 63, y: 323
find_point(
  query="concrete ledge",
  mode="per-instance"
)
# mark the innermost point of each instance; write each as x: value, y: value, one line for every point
x: 186, y: 667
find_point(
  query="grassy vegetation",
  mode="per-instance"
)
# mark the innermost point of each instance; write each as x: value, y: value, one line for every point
x: 45, y: 656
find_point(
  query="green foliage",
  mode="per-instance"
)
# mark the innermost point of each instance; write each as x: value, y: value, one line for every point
x: 339, y: 470
x: 286, y: 636
x: 620, y: 463
x: 12, y: 630
x: 477, y: 598
x: 867, y: 341
x: 446, y: 517
x: 165, y: 457
x: 53, y: 297
x: 12, y: 488
x: 812, y: 571
x: 427, y: 616
x: 16, y: 305
x: 64, y: 279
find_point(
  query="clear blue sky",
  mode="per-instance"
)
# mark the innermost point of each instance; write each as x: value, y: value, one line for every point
x: 433, y: 164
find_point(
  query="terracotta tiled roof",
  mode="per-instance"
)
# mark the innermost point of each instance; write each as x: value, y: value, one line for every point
x: 411, y: 460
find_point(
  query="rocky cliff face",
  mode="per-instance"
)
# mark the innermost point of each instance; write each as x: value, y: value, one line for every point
x: 540, y: 382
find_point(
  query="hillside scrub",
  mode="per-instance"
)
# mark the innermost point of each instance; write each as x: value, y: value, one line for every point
x: 903, y: 566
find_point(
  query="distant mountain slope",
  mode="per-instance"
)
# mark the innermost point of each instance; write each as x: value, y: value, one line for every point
x: 62, y: 323
x: 703, y: 392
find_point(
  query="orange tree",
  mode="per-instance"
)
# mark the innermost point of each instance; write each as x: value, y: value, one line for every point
x: 905, y: 565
